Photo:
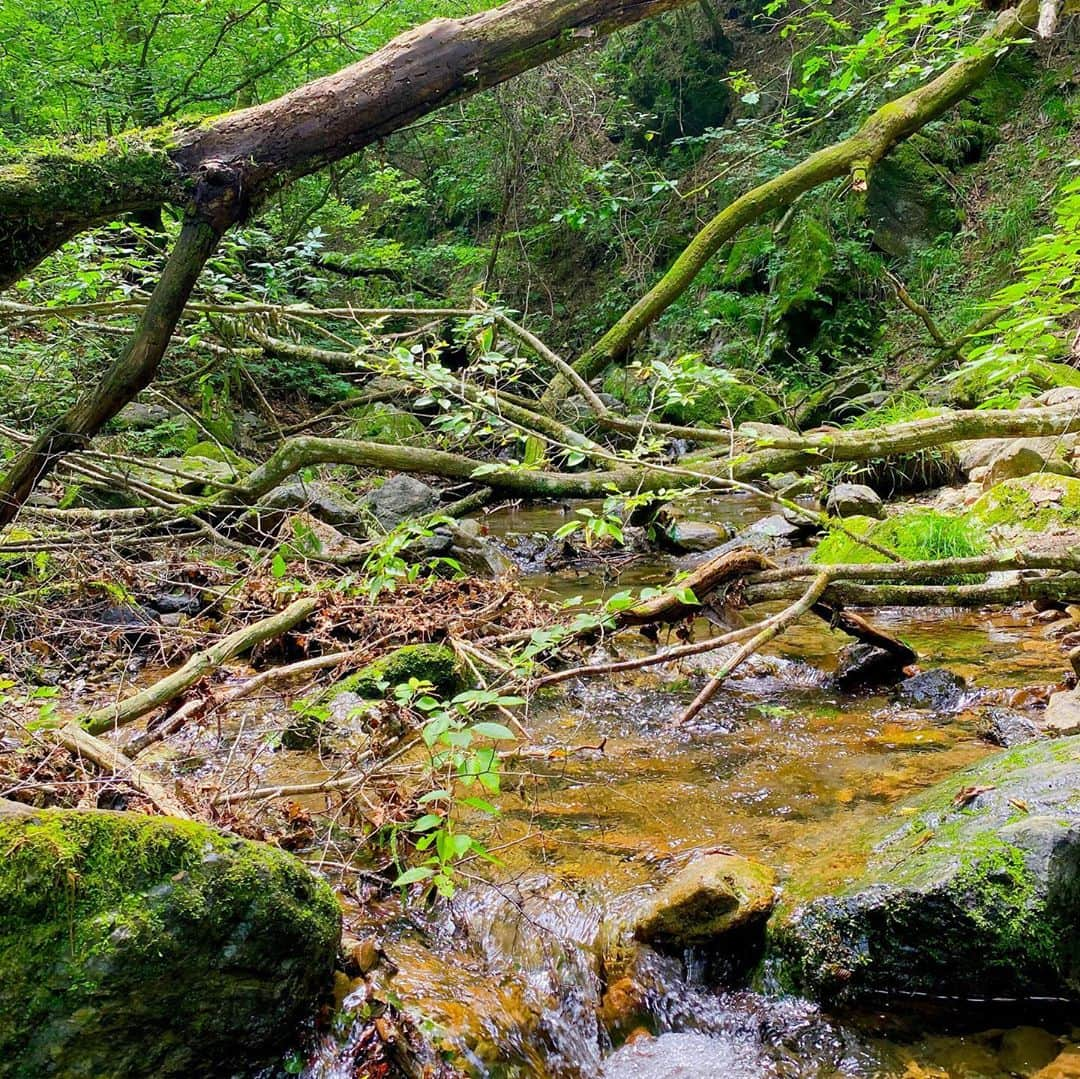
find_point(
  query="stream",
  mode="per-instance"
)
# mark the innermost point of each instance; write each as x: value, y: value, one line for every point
x: 779, y: 768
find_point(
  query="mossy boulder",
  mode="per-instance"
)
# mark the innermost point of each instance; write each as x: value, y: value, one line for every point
x: 384, y: 423
x: 434, y: 663
x: 908, y: 203
x: 976, y: 894
x: 148, y: 946
x: 1031, y: 503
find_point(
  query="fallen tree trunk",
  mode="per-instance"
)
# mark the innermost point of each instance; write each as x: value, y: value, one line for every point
x: 48, y: 197
x: 1063, y: 588
x: 793, y: 451
x: 854, y: 156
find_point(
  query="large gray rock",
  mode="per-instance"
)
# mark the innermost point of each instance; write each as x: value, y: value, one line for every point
x: 1005, y: 727
x: 1062, y: 715
x: 318, y: 499
x: 401, y: 498
x: 1012, y: 461
x: 690, y: 536
x: 854, y: 500
x: 135, y: 946
x: 976, y: 894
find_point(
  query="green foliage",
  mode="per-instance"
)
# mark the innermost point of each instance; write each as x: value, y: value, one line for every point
x: 916, y: 535
x: 464, y: 770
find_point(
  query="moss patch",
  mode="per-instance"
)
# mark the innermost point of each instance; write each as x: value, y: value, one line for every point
x: 969, y: 896
x: 433, y: 663
x: 134, y: 945
x: 1034, y: 502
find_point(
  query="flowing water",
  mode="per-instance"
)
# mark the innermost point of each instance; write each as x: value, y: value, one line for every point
x: 779, y: 768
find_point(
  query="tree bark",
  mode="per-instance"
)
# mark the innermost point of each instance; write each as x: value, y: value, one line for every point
x: 133, y: 371
x: 46, y: 199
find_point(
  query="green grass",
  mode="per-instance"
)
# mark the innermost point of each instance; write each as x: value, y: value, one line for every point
x: 919, y: 535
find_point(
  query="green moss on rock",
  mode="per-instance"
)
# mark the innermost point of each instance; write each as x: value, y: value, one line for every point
x: 433, y: 663
x: 1034, y: 502
x: 383, y: 423
x: 135, y: 946
x: 971, y: 896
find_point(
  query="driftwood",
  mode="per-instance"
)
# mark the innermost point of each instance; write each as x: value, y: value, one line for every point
x: 109, y: 759
x: 200, y: 664
x: 768, y: 630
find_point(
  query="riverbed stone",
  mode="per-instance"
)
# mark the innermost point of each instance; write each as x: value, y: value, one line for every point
x: 689, y: 536
x: 401, y: 498
x: 149, y: 946
x: 976, y: 893
x: 1006, y: 727
x: 317, y: 498
x: 715, y: 897
x: 854, y: 500
x: 862, y: 666
x: 1062, y: 715
x: 937, y: 690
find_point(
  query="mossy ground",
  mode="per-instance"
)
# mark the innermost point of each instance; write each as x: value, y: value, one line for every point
x: 1017, y: 503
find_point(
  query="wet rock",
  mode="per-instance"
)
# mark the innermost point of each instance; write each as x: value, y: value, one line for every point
x: 1066, y: 1065
x: 938, y: 690
x: 753, y: 541
x: 862, y: 666
x: 176, y: 603
x: 434, y: 663
x: 401, y: 498
x: 474, y: 553
x: 977, y: 894
x: 716, y: 897
x: 1062, y: 715
x: 854, y: 500
x: 1005, y: 727
x: 318, y: 499
x: 623, y: 1007
x: 689, y: 536
x: 777, y: 526
x: 137, y: 946
x: 1026, y: 1049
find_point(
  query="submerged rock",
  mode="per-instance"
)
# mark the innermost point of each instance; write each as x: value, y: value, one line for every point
x: 938, y: 690
x: 862, y: 666
x: 147, y: 946
x: 976, y: 895
x: 714, y: 898
x: 1006, y: 727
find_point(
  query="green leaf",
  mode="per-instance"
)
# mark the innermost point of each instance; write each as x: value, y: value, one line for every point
x: 498, y: 731
x: 427, y: 822
x: 278, y: 567
x: 414, y: 875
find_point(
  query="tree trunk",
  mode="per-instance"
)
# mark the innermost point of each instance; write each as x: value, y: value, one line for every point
x: 46, y: 199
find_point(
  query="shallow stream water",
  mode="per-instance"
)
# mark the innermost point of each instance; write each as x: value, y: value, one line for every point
x: 779, y: 768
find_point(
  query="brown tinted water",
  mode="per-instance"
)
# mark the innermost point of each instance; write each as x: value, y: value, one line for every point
x: 779, y: 768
